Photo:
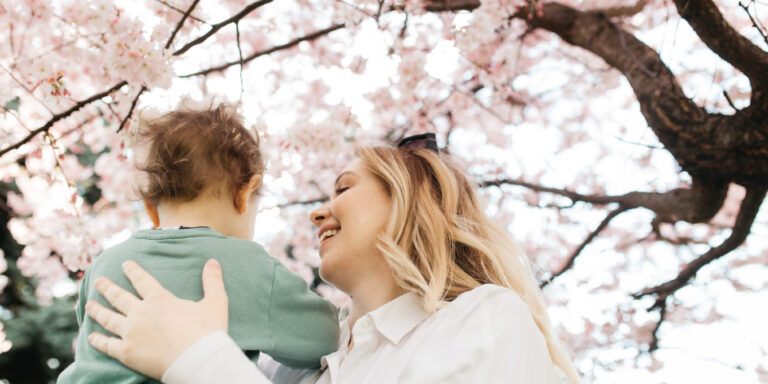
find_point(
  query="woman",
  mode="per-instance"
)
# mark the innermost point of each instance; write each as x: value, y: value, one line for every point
x: 439, y: 293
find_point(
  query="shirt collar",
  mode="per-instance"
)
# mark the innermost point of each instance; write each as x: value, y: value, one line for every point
x: 400, y: 316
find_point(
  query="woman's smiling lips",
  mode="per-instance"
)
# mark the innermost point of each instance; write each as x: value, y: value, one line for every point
x: 326, y: 232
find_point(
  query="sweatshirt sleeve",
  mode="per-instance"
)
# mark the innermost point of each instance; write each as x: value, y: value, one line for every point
x: 83, y: 298
x: 303, y: 327
x: 213, y: 359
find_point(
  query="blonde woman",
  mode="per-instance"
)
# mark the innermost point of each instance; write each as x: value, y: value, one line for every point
x: 439, y: 293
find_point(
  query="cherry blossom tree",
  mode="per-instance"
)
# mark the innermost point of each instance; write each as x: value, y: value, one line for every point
x: 621, y: 142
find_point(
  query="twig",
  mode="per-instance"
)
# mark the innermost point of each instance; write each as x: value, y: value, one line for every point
x: 24, y: 87
x: 754, y: 22
x: 658, y: 236
x: 730, y: 102
x: 405, y: 26
x: 182, y: 12
x: 594, y: 199
x: 10, y: 39
x: 276, y: 48
x: 654, y: 345
x: 378, y: 13
x: 240, y: 55
x: 576, y: 252
x: 111, y: 110
x: 358, y: 8
x: 449, y: 5
x: 216, y: 27
x: 181, y: 23
x: 78, y: 127
x: 130, y: 111
x: 747, y: 213
x: 696, y: 204
x: 62, y: 115
x: 636, y: 143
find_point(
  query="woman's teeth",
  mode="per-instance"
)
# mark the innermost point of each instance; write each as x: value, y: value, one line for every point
x: 328, y: 233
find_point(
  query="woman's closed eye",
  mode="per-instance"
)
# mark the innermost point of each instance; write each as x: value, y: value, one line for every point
x: 341, y: 190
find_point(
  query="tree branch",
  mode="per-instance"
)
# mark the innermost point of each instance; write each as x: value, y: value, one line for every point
x: 182, y: 12
x: 709, y: 146
x: 576, y: 252
x: 707, y: 21
x: 276, y: 48
x: 378, y: 13
x: 755, y: 22
x: 593, y: 199
x: 654, y: 345
x: 468, y: 5
x: 62, y: 115
x: 696, y: 204
x: 623, y: 11
x: 216, y: 27
x: 130, y: 111
x: 747, y: 213
x: 451, y: 5
x: 181, y: 23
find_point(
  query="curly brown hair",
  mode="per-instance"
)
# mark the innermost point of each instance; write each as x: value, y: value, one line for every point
x: 188, y: 151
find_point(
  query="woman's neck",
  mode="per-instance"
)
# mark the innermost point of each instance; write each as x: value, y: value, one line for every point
x: 371, y: 298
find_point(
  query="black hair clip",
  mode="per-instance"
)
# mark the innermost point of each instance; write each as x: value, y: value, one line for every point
x: 424, y: 140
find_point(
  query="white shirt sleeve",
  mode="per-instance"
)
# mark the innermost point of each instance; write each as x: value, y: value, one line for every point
x: 213, y: 359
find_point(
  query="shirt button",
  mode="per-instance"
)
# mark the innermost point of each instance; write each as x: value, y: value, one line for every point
x: 364, y: 324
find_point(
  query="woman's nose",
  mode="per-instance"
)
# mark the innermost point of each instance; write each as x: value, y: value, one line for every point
x: 319, y: 215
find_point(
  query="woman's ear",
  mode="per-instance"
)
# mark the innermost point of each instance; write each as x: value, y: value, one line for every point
x: 243, y: 194
x: 151, y: 209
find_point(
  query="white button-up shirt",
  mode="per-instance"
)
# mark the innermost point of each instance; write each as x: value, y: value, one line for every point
x: 486, y: 335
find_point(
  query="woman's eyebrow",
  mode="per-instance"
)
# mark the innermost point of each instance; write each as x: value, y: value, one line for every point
x: 342, y: 175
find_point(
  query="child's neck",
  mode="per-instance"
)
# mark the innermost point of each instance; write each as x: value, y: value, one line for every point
x: 217, y: 214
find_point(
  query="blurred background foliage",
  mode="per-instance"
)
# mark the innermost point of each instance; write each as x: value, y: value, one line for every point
x: 42, y: 335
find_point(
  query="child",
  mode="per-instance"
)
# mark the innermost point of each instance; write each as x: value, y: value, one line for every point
x: 203, y: 174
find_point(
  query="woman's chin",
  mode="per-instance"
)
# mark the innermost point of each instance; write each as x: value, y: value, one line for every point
x: 330, y: 273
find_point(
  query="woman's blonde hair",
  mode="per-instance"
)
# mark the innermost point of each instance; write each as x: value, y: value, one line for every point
x: 439, y: 242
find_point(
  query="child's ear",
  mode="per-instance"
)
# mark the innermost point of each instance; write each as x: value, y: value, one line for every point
x: 243, y: 195
x: 151, y: 209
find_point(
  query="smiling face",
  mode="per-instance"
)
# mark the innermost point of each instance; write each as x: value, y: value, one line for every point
x: 348, y: 226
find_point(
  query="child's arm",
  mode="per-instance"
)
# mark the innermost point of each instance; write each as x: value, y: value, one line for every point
x: 82, y: 298
x: 70, y: 374
x: 303, y: 327
x: 91, y: 366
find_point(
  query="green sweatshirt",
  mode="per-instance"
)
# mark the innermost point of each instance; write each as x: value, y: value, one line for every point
x: 270, y: 308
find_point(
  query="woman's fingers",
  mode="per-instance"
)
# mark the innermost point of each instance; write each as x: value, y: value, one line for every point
x: 143, y: 282
x: 110, y: 320
x: 215, y: 299
x: 121, y: 299
x: 153, y: 332
x: 110, y: 346
x: 213, y: 283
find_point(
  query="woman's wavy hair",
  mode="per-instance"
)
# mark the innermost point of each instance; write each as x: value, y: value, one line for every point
x: 440, y: 243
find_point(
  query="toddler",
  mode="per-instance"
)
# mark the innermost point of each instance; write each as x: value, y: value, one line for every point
x: 202, y: 175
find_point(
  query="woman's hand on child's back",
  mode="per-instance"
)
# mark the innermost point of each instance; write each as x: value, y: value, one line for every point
x: 155, y: 329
